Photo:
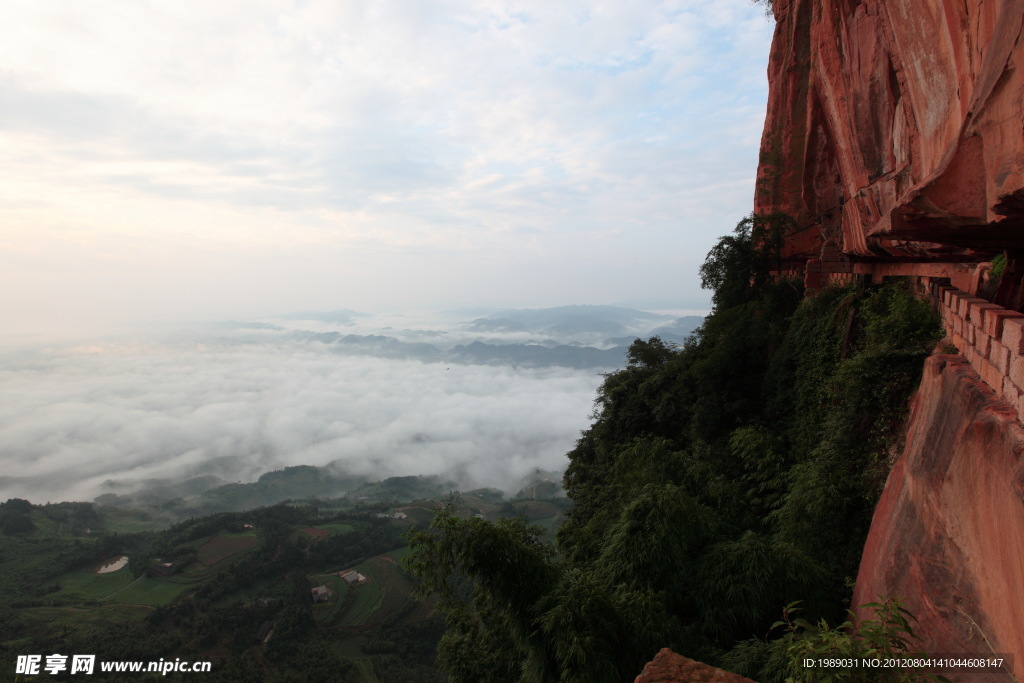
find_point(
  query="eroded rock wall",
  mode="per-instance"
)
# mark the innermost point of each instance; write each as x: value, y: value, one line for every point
x: 895, y: 138
x: 948, y: 532
x: 894, y: 128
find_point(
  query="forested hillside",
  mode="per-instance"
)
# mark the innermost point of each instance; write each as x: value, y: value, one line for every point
x: 236, y: 589
x: 719, y: 482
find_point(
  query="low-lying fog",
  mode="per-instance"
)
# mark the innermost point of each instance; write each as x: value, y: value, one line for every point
x: 238, y: 399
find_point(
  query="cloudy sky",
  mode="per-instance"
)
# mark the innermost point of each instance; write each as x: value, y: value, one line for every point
x: 180, y: 159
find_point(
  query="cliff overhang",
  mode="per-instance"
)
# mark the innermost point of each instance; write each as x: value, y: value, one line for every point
x: 894, y: 136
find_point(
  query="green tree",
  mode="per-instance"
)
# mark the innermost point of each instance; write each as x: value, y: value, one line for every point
x: 719, y: 480
x: 741, y: 265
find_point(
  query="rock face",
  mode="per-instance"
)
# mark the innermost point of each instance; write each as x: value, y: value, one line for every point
x: 668, y: 667
x: 894, y: 130
x: 895, y: 139
x: 947, y: 535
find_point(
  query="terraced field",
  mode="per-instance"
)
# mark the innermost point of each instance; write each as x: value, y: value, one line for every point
x: 368, y: 598
x: 389, y: 591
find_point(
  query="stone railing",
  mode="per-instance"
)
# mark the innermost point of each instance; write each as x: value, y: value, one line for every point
x: 990, y: 337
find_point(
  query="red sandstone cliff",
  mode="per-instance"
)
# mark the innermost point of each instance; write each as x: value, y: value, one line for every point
x: 948, y: 533
x: 894, y: 133
x: 895, y: 137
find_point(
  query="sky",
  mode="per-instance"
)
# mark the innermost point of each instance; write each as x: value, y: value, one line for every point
x: 182, y: 160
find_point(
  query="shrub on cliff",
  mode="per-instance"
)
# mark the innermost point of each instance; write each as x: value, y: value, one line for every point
x: 810, y: 653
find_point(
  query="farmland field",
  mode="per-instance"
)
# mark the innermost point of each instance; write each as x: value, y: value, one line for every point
x: 89, y: 585
x: 336, y: 528
x: 224, y: 545
x: 147, y: 591
x: 395, y: 585
x: 226, y: 574
x: 370, y: 603
x: 420, y: 515
x: 369, y: 597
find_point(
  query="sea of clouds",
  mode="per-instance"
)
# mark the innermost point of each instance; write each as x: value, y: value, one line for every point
x: 80, y: 420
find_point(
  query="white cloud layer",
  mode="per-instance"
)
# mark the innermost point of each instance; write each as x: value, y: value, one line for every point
x: 179, y: 159
x: 73, y: 418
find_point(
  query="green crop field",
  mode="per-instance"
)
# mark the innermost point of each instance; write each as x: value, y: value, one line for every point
x: 369, y: 597
x: 396, y: 587
x: 87, y: 584
x: 368, y: 603
x: 336, y: 528
x: 148, y: 591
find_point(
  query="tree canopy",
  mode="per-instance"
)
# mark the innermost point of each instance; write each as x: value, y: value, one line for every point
x: 718, y: 482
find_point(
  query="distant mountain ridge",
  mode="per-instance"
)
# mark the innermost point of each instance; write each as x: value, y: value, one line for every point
x: 573, y: 336
x: 573, y: 319
x: 207, y: 495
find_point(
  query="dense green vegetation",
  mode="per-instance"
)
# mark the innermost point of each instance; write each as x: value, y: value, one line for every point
x: 719, y: 482
x: 887, y: 634
x: 233, y: 574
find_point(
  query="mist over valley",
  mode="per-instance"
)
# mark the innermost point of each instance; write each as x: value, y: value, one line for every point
x: 473, y: 398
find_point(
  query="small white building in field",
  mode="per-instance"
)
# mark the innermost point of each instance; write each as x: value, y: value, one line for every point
x: 351, y: 576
